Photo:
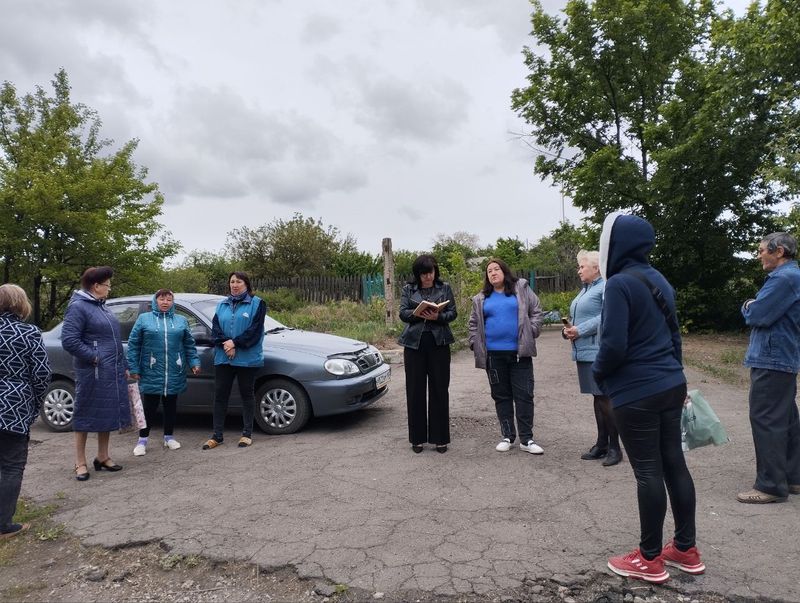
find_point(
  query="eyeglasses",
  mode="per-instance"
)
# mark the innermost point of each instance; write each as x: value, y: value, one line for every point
x: 104, y: 285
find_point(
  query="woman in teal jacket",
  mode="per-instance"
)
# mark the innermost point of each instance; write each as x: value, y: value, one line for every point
x: 238, y: 334
x: 160, y: 349
x: 584, y: 333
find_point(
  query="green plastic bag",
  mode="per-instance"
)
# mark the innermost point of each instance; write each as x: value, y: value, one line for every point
x: 700, y: 425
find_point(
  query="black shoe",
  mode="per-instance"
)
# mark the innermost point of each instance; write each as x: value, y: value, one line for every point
x: 416, y: 448
x: 613, y: 457
x: 441, y: 448
x: 104, y: 465
x: 595, y: 452
x: 81, y: 477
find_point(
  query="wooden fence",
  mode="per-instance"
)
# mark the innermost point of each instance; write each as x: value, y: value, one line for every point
x: 321, y: 289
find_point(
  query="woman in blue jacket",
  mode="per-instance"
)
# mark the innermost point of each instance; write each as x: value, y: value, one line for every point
x: 160, y: 349
x: 584, y: 333
x: 639, y: 366
x: 91, y: 334
x: 238, y: 335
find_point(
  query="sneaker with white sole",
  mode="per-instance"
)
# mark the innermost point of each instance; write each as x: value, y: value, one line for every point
x: 172, y: 444
x: 634, y: 565
x: 504, y: 445
x: 140, y: 449
x: 531, y: 447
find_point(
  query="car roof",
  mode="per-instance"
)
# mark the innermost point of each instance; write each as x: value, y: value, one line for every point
x: 184, y: 297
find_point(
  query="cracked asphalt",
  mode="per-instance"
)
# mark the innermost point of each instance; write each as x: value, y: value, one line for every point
x: 346, y: 499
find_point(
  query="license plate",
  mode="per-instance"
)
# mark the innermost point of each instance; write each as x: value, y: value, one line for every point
x: 383, y: 380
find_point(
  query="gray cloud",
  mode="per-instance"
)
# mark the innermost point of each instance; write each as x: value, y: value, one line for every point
x: 320, y: 28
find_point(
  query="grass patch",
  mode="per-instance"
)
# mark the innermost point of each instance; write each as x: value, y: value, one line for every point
x: 16, y: 592
x: 27, y: 511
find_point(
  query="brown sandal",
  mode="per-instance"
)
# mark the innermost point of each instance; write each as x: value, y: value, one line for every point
x: 244, y: 442
x: 211, y: 443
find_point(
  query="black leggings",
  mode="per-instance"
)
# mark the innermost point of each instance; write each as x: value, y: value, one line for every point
x: 651, y: 432
x: 150, y: 403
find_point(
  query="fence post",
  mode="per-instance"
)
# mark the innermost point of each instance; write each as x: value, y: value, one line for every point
x: 388, y: 282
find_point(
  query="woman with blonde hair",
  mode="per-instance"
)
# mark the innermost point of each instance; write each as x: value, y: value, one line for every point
x: 583, y: 331
x: 24, y: 376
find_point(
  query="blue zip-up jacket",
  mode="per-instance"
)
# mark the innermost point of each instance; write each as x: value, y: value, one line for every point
x: 160, y: 350
x: 585, y: 312
x: 639, y: 355
x: 243, y: 322
x: 774, y: 316
x: 91, y: 334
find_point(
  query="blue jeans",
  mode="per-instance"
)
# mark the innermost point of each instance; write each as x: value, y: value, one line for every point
x: 776, y: 430
x: 13, y: 457
x: 651, y: 432
x: 511, y: 384
x: 224, y: 374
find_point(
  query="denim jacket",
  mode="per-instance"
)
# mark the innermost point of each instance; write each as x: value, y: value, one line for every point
x: 585, y: 312
x: 774, y: 316
x: 440, y: 328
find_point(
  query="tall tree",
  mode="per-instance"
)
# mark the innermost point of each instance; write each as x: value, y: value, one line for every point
x: 66, y: 205
x: 673, y: 111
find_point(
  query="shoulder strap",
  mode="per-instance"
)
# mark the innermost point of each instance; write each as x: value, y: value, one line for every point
x: 672, y: 320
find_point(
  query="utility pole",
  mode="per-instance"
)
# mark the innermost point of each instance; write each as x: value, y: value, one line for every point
x: 388, y: 281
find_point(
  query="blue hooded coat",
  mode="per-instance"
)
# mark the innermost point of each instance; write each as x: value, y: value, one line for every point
x: 639, y: 355
x: 160, y: 350
x: 91, y: 334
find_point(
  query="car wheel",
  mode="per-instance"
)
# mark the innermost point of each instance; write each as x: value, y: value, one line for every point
x: 281, y: 407
x: 59, y: 406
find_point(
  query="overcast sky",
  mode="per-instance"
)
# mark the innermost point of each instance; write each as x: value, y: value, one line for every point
x: 384, y: 118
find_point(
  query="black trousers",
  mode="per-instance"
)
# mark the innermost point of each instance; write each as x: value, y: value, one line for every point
x: 150, y: 403
x: 427, y: 391
x: 224, y: 374
x: 511, y: 384
x: 13, y: 458
x: 651, y: 432
x: 776, y: 430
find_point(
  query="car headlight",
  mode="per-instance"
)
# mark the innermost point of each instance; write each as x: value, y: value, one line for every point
x: 341, y: 366
x: 377, y: 352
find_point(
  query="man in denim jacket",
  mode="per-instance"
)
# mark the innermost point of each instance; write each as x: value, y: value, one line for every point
x: 774, y: 360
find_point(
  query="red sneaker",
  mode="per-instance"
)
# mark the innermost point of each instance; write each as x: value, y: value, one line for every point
x: 686, y: 561
x: 634, y: 565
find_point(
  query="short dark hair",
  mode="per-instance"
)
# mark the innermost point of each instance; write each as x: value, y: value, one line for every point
x: 509, y: 280
x: 424, y: 264
x: 242, y: 276
x: 781, y: 239
x: 95, y: 274
x: 163, y: 292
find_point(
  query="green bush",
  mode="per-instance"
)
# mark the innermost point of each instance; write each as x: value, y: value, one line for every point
x: 557, y: 301
x: 281, y: 299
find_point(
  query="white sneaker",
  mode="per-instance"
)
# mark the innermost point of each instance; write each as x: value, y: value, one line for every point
x: 504, y: 445
x: 140, y: 450
x: 531, y: 447
x: 172, y: 444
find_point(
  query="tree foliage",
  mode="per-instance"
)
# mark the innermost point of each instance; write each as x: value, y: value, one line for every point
x: 66, y: 205
x: 683, y: 115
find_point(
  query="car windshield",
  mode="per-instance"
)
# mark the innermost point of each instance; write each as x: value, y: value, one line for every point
x: 208, y: 308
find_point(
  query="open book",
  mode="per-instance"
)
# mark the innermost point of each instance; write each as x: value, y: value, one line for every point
x: 424, y: 305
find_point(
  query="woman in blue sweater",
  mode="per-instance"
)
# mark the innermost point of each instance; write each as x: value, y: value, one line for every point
x: 160, y: 350
x: 639, y: 367
x: 506, y: 319
x: 583, y: 332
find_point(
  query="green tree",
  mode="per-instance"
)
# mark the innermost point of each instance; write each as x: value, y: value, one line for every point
x: 286, y: 248
x: 556, y: 253
x: 200, y: 272
x: 66, y: 205
x: 462, y: 244
x: 349, y: 261
x: 675, y: 112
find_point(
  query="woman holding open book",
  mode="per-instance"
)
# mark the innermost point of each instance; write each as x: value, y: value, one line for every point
x: 427, y: 307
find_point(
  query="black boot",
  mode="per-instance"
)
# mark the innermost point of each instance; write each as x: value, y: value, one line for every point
x: 595, y: 452
x: 613, y: 457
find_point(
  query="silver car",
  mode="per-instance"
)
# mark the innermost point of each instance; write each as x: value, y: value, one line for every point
x: 305, y: 374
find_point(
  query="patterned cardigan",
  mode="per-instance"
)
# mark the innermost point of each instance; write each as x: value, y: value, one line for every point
x: 24, y: 374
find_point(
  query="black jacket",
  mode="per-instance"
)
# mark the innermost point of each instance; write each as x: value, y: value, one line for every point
x: 415, y: 326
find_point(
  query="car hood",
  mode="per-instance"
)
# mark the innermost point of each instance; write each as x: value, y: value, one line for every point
x: 316, y: 344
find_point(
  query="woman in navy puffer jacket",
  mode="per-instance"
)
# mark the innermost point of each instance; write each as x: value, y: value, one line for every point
x: 91, y: 334
x: 160, y: 349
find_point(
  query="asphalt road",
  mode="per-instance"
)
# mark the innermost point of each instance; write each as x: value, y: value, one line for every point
x: 347, y: 500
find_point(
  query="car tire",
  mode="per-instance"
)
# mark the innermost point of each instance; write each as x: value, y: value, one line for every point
x: 281, y: 407
x: 58, y: 406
